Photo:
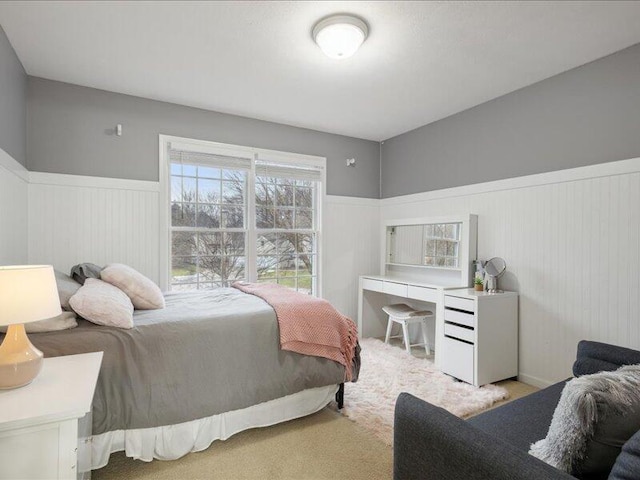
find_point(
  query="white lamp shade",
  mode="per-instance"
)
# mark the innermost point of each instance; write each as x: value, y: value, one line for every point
x: 28, y: 293
x: 340, y: 36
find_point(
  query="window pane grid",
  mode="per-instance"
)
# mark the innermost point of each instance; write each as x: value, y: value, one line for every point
x: 208, y: 219
x: 209, y: 228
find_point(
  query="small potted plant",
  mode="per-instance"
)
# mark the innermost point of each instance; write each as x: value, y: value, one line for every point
x: 478, y: 284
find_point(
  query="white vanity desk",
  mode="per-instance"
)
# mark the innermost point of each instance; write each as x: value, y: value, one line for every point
x: 376, y: 291
x: 428, y: 264
x: 421, y: 259
x: 476, y: 333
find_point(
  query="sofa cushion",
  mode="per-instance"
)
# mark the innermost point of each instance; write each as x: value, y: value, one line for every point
x: 627, y: 466
x: 594, y: 357
x: 596, y: 415
x: 523, y: 421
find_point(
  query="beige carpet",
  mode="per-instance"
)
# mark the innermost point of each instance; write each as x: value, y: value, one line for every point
x: 321, y: 446
x: 325, y: 445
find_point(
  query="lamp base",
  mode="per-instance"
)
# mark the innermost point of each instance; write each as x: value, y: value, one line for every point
x: 20, y: 361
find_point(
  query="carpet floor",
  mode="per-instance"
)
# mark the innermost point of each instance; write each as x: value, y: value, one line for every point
x: 322, y: 446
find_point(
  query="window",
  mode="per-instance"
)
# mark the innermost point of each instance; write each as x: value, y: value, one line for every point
x: 242, y: 215
x: 285, y: 219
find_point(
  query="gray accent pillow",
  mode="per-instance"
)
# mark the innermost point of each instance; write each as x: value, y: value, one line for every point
x: 67, y: 287
x: 82, y: 271
x: 594, y: 418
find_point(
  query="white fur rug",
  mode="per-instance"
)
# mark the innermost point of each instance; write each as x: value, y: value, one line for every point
x: 387, y: 371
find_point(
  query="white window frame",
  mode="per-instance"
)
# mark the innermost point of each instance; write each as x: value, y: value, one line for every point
x: 255, y: 154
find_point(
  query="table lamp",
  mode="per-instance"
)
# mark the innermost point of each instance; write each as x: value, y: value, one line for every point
x: 28, y: 293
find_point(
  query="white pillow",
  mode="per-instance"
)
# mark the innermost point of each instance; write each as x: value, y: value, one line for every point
x: 64, y: 321
x: 102, y: 303
x: 144, y: 294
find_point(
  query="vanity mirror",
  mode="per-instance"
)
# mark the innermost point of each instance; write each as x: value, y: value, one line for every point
x: 440, y: 248
x: 431, y: 245
x: 494, y: 268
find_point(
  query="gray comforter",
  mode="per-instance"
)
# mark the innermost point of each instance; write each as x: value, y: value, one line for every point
x: 206, y: 353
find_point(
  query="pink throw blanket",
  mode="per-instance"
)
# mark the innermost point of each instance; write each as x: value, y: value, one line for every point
x: 308, y: 325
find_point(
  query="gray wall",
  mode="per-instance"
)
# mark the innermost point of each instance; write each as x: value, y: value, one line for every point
x: 70, y: 130
x: 588, y: 115
x: 13, y: 102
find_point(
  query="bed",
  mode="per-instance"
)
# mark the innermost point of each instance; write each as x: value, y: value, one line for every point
x: 203, y: 368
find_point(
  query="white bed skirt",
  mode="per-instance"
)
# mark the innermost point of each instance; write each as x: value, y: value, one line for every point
x: 174, y: 441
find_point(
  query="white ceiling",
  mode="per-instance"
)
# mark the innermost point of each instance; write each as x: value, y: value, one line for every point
x: 423, y: 61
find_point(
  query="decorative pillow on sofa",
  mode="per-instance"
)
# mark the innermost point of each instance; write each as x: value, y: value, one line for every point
x: 102, y: 303
x: 144, y: 294
x: 64, y: 321
x: 67, y: 287
x: 627, y: 466
x: 594, y: 418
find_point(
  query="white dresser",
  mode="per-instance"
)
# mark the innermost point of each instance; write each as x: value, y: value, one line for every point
x: 480, y: 343
x: 39, y: 424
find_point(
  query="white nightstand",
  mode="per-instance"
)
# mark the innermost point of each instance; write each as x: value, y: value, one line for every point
x: 39, y: 423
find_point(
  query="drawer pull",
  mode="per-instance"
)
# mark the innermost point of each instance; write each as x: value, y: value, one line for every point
x: 460, y: 325
x: 459, y: 340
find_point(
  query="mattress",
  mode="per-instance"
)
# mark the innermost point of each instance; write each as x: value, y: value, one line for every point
x: 206, y: 353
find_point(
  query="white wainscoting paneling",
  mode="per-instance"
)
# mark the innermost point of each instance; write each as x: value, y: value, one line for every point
x: 75, y: 219
x: 13, y: 211
x: 351, y: 248
x: 571, y: 240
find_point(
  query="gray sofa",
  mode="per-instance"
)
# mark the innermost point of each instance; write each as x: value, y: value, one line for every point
x: 430, y: 443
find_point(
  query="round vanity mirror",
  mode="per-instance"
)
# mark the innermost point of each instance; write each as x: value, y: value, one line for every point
x: 494, y: 268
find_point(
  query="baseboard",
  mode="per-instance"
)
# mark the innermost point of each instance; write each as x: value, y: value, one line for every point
x: 535, y: 381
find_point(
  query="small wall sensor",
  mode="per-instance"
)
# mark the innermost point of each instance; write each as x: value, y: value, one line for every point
x: 351, y: 162
x: 119, y: 129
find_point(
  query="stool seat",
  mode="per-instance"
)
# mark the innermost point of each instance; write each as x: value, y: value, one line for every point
x: 405, y: 315
x: 402, y: 311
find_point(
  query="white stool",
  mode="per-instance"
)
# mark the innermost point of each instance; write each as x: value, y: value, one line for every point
x: 405, y: 315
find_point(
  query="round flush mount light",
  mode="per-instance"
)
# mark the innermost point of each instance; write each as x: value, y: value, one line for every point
x: 340, y: 36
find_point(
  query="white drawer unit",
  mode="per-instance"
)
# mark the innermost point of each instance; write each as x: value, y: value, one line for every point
x: 425, y: 294
x: 458, y: 361
x: 461, y: 318
x: 373, y: 285
x: 464, y: 304
x: 480, y: 336
x: 393, y: 288
x: 460, y: 333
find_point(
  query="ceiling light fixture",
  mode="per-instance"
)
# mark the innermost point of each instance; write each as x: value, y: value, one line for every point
x: 340, y: 36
